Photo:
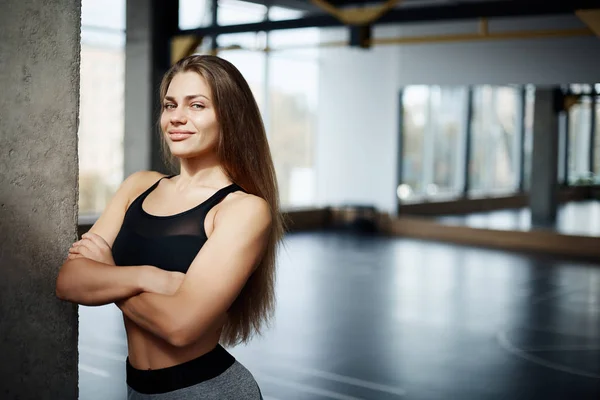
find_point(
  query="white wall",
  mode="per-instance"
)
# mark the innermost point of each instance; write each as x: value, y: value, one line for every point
x: 357, y: 126
x: 356, y: 142
x: 537, y: 61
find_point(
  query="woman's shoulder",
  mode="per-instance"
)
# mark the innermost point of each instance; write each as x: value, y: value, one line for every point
x: 240, y: 204
x: 144, y: 177
x: 139, y: 181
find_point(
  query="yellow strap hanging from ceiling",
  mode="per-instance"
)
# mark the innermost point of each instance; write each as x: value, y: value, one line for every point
x: 183, y: 46
x: 591, y: 18
x: 357, y: 16
x: 570, y: 100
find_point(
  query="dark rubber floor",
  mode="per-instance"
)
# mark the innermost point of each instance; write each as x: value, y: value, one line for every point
x: 363, y: 317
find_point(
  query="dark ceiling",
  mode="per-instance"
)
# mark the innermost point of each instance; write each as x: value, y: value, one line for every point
x: 309, y: 6
x: 410, y: 11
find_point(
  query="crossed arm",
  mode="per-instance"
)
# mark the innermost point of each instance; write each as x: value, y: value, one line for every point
x: 214, y: 279
x: 178, y: 314
x: 89, y: 275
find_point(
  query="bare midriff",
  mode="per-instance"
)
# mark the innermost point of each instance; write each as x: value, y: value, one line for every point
x: 148, y: 351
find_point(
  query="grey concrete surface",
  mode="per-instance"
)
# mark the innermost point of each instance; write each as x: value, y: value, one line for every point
x: 39, y: 82
x: 543, y: 199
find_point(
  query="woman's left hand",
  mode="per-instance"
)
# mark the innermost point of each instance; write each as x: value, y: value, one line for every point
x: 92, y: 246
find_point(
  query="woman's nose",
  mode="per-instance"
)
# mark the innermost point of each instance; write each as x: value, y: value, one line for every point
x: 178, y: 116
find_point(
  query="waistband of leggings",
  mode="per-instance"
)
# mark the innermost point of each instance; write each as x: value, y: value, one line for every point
x: 189, y: 373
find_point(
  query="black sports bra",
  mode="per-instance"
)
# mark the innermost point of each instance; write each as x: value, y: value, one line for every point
x: 167, y: 242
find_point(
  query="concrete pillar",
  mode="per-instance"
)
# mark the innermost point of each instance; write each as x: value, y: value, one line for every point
x: 39, y: 77
x: 544, y: 162
x: 149, y: 26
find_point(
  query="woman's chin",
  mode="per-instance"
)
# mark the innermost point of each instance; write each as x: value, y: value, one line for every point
x: 188, y: 153
x: 184, y: 155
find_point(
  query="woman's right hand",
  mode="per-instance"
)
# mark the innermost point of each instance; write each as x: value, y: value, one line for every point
x: 163, y: 282
x: 92, y: 246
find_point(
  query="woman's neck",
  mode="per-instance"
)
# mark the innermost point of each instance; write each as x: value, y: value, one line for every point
x: 203, y: 171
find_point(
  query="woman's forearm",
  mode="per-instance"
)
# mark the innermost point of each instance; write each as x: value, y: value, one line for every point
x: 168, y: 317
x: 152, y: 312
x: 91, y: 283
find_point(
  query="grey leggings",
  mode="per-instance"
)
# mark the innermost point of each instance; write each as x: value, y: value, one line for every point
x: 215, y: 375
x: 236, y: 383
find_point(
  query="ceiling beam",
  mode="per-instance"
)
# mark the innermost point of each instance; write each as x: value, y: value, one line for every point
x: 452, y: 11
x: 361, y: 16
x: 296, y: 5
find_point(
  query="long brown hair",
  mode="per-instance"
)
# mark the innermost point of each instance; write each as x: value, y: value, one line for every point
x: 243, y: 151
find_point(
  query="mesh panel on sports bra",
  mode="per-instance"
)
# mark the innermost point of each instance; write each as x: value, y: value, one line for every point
x: 190, y: 222
x: 168, y: 242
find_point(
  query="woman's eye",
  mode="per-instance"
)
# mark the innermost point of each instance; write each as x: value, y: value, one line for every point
x: 197, y: 106
x: 169, y: 106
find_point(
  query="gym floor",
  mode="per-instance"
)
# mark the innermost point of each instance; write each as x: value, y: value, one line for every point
x: 367, y: 317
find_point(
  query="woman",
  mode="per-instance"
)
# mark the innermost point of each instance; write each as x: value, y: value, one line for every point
x: 189, y: 258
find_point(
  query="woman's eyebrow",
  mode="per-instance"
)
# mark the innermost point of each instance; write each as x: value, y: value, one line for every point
x: 188, y: 97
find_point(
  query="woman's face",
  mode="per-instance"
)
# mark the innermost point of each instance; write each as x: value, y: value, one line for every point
x: 188, y: 119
